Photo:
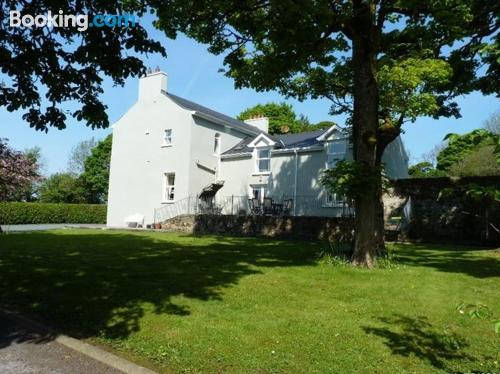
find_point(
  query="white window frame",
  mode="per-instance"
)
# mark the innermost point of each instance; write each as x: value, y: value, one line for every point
x: 217, y: 144
x: 168, y: 189
x: 333, y: 156
x: 332, y: 200
x: 167, y: 139
x: 262, y: 191
x: 258, y: 159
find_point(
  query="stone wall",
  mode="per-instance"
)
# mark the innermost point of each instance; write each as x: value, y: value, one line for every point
x: 300, y: 228
x: 452, y: 217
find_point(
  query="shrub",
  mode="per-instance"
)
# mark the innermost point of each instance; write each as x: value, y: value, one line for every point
x: 12, y: 213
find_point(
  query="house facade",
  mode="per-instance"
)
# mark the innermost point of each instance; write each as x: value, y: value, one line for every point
x: 168, y: 150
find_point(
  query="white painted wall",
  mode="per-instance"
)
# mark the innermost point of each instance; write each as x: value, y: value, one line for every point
x: 138, y: 159
x: 202, y: 150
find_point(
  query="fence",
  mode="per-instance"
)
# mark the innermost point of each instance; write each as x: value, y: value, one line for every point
x: 302, y: 205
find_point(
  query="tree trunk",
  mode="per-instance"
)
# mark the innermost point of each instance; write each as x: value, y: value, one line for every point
x: 365, y: 124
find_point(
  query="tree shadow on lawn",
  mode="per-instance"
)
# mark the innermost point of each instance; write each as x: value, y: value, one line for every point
x: 416, y: 336
x: 450, y: 259
x: 89, y: 284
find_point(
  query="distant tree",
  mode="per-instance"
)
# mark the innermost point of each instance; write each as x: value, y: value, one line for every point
x: 424, y: 169
x: 30, y: 194
x: 492, y: 124
x: 95, y: 177
x: 62, y: 188
x: 79, y: 153
x: 480, y: 161
x: 18, y: 172
x: 460, y: 145
x: 282, y: 118
x: 323, y: 125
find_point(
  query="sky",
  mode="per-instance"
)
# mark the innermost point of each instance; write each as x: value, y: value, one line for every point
x: 193, y: 74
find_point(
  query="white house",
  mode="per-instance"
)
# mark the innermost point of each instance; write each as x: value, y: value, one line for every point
x: 167, y: 151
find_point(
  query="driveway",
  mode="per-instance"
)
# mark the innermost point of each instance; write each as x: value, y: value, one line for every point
x: 51, y: 226
x: 23, y: 350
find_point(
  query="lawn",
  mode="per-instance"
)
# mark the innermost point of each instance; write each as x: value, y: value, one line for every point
x: 178, y: 303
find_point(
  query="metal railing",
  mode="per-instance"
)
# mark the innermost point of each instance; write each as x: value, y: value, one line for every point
x: 302, y: 205
x: 188, y: 205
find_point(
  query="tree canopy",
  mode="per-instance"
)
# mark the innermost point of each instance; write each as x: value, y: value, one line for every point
x: 45, y: 67
x: 95, y: 178
x: 282, y: 117
x: 461, y: 145
x: 79, y: 153
x: 18, y: 172
x: 62, y: 188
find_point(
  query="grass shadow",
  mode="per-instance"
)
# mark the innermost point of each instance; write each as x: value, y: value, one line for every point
x: 89, y: 283
x: 416, y: 336
x: 449, y: 259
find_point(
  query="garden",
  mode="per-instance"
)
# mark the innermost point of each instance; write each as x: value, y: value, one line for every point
x: 181, y: 303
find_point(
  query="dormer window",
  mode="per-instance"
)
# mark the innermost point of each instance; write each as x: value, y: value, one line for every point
x: 335, y: 151
x: 167, y: 137
x: 263, y: 160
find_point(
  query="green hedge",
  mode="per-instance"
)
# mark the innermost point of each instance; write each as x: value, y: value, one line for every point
x: 13, y: 213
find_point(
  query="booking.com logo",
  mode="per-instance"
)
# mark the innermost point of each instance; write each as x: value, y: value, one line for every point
x: 80, y: 21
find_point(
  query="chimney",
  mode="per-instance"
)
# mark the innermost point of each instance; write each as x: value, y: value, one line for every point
x: 151, y: 85
x: 261, y: 122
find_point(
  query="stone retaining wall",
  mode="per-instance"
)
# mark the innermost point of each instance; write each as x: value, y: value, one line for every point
x: 301, y: 228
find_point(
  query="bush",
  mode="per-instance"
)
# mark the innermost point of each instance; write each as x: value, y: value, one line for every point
x: 14, y: 213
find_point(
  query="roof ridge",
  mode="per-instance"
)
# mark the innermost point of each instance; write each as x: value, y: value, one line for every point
x: 191, y: 105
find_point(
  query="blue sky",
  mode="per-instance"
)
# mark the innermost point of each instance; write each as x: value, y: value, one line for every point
x: 193, y: 74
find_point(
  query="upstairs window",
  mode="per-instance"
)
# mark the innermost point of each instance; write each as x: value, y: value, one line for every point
x: 167, y: 137
x: 217, y: 144
x: 169, y: 191
x: 263, y: 160
x: 335, y: 151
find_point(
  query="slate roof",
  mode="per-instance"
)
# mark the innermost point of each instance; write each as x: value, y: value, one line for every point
x: 200, y: 108
x: 285, y: 141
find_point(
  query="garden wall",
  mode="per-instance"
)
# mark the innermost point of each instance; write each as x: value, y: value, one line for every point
x: 300, y: 228
x: 455, y: 216
x: 16, y: 213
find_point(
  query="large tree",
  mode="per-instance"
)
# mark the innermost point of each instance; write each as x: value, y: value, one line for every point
x: 382, y: 62
x: 44, y: 67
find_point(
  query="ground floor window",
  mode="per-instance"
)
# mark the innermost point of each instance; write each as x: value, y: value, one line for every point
x: 259, y: 192
x: 169, y: 190
x: 333, y: 199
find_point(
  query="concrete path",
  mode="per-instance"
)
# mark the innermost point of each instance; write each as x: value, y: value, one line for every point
x: 51, y: 226
x: 23, y: 350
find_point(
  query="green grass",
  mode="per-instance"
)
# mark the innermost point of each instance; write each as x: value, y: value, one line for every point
x: 183, y: 304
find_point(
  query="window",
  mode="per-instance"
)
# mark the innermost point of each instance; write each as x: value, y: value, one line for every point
x: 217, y: 144
x: 259, y: 192
x: 169, y: 192
x: 332, y: 199
x: 167, y: 137
x: 335, y: 151
x: 263, y: 160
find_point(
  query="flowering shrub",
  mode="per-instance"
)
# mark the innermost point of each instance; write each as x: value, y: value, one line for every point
x: 17, y: 172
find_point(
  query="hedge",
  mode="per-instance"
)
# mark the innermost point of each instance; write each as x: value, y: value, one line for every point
x: 14, y: 213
